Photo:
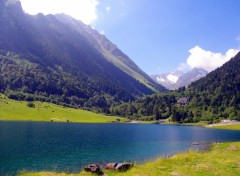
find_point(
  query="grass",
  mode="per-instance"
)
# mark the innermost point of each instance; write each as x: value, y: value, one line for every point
x: 229, y: 127
x: 11, y: 110
x: 222, y: 159
x: 201, y: 123
x: 120, y: 64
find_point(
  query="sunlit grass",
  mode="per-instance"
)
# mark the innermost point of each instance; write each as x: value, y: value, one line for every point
x: 222, y: 159
x: 229, y: 127
x: 12, y: 110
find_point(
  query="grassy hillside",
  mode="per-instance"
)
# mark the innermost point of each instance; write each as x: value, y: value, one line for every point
x: 222, y: 159
x: 20, y: 110
x: 111, y: 52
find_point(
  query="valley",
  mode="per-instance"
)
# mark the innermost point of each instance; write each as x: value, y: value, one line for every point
x: 70, y: 97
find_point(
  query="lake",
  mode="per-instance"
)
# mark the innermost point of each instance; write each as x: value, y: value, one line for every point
x: 31, y: 146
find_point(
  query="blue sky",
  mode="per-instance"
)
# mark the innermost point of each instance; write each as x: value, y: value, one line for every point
x: 165, y: 35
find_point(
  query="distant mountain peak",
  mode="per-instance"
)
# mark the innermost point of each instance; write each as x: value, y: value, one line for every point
x: 172, y: 78
x: 175, y: 79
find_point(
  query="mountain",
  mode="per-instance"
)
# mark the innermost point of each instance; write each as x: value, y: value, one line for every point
x: 212, y: 98
x: 176, y: 79
x: 191, y: 76
x: 110, y: 51
x: 168, y: 80
x: 223, y: 80
x: 57, y: 58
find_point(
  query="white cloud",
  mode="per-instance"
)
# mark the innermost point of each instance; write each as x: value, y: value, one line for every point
x: 183, y: 67
x: 208, y: 60
x: 84, y: 10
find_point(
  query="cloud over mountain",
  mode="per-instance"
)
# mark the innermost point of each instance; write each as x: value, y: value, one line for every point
x: 84, y: 10
x: 208, y: 60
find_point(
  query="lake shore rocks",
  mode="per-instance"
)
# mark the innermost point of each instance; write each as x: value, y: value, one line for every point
x: 119, y: 166
x: 195, y: 143
x: 95, y: 169
x: 110, y: 166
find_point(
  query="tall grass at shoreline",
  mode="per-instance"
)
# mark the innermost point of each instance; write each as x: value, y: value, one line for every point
x: 229, y: 127
x: 221, y: 159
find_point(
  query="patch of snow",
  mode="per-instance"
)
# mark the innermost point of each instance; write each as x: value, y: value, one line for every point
x: 199, y: 75
x: 172, y: 78
x: 159, y: 79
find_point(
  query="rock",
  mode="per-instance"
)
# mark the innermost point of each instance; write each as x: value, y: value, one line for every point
x: 195, y: 143
x: 123, y: 166
x: 93, y: 168
x: 118, y: 166
x: 110, y: 166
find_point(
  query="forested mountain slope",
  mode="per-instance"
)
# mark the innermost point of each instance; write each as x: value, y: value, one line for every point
x: 212, y: 98
x: 59, y: 59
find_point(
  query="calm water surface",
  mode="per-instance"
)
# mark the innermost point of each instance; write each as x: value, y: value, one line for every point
x: 30, y: 146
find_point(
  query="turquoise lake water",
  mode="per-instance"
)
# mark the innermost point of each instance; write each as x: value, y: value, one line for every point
x: 31, y: 146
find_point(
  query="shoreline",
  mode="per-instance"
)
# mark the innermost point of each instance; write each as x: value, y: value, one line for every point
x: 196, y: 148
x: 69, y: 122
x: 220, y: 157
x: 125, y: 121
x: 222, y: 124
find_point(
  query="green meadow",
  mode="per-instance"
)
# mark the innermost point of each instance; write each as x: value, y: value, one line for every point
x: 229, y: 127
x: 11, y: 110
x: 221, y: 159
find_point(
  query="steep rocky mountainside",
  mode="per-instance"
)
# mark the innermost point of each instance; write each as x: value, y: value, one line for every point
x: 59, y: 59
